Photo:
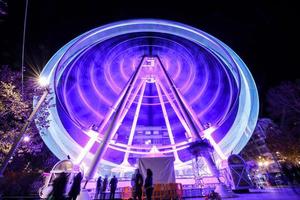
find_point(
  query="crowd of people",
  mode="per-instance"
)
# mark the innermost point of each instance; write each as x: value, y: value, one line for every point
x: 60, y: 183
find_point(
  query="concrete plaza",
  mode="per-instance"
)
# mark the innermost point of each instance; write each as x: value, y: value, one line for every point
x: 278, y: 193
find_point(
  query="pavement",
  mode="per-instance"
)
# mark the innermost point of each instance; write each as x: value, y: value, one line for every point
x: 278, y: 193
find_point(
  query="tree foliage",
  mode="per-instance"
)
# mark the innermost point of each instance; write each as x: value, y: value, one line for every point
x: 281, y: 130
x: 283, y: 105
x: 32, y: 157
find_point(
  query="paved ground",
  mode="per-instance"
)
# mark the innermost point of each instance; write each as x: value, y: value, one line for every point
x: 283, y: 193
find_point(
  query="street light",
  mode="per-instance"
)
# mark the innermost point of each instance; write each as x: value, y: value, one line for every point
x: 43, y: 81
x: 266, y: 163
x: 26, y: 138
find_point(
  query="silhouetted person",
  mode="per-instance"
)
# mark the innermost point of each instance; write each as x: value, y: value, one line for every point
x: 133, y: 184
x: 113, y: 186
x: 286, y: 168
x: 98, y: 187
x: 59, y: 187
x: 138, y: 185
x: 149, y: 184
x: 104, y: 186
x: 76, y: 187
x: 214, y: 196
x: 297, y: 171
x: 295, y: 174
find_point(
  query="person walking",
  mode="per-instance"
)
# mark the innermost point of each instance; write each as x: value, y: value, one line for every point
x: 104, y: 186
x: 139, y: 181
x: 113, y: 186
x: 149, y: 184
x: 59, y: 187
x: 98, y: 187
x: 76, y: 186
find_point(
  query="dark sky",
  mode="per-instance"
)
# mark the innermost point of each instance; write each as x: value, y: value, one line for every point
x: 263, y: 33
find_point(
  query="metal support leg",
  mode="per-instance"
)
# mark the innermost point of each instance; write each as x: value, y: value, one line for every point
x: 108, y: 134
x: 188, y: 113
x: 92, y: 140
x: 185, y: 112
x: 171, y: 136
x: 125, y: 110
x: 132, y: 131
x: 178, y: 113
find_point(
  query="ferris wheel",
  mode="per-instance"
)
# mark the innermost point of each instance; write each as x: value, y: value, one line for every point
x: 143, y: 87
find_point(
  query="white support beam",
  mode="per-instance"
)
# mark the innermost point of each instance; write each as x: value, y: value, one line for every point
x: 87, y: 147
x: 194, y: 129
x: 171, y: 136
x: 108, y: 115
x: 126, y: 109
x: 178, y: 113
x: 108, y: 134
x: 189, y: 114
x: 134, y: 123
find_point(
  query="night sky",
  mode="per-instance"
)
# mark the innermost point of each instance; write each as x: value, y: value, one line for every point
x: 263, y: 33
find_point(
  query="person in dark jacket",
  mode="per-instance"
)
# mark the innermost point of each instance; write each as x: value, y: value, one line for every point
x: 113, y: 186
x: 76, y: 187
x: 59, y: 187
x: 149, y: 184
x: 98, y: 187
x: 138, y: 185
x: 105, y: 182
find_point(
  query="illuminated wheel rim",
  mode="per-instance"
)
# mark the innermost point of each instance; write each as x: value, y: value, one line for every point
x: 87, y: 75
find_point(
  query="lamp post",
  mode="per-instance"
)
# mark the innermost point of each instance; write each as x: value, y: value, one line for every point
x: 18, y: 138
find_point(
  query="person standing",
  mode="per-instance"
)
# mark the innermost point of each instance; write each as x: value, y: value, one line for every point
x: 113, y: 186
x: 104, y: 186
x: 98, y: 187
x: 133, y: 184
x: 76, y: 187
x: 149, y: 184
x: 139, y: 181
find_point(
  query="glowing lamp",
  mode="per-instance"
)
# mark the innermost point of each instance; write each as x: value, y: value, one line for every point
x: 26, y: 138
x: 43, y: 81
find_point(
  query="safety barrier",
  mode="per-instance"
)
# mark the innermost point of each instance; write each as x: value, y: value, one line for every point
x: 168, y: 191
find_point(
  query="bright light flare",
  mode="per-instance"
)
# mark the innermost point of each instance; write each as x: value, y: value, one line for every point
x: 43, y: 81
x: 207, y: 135
x: 93, y: 137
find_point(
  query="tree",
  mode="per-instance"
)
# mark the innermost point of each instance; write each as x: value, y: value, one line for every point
x: 283, y: 105
x: 32, y: 156
x: 3, y: 8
